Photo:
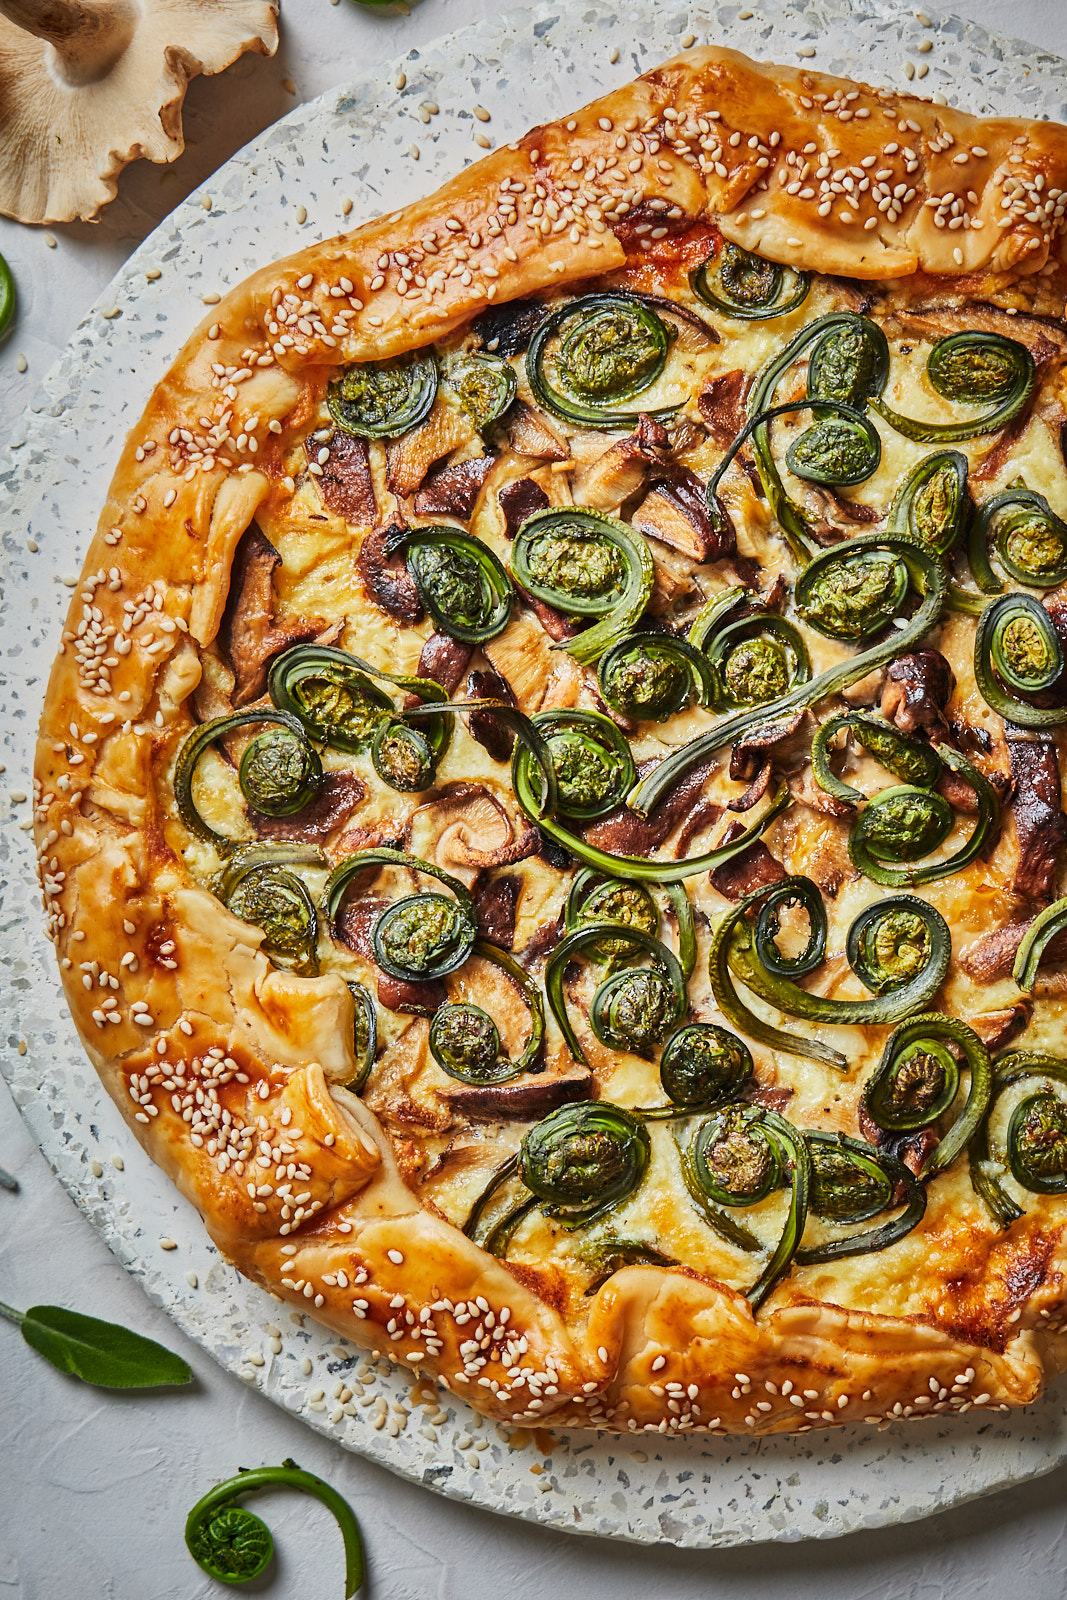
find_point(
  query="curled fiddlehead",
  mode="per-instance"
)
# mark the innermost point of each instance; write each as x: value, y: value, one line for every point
x: 234, y: 1546
x: 583, y: 1159
x: 258, y: 885
x: 590, y: 756
x: 595, y: 898
x: 279, y: 771
x: 403, y: 756
x: 465, y: 1040
x: 633, y: 1009
x: 338, y: 699
x: 537, y: 793
x: 702, y: 1065
x: 910, y: 760
x: 417, y: 938
x: 848, y: 364
x: 932, y: 504
x: 852, y: 1182
x: 594, y: 353
x: 485, y: 386
x: 1017, y: 648
x: 1044, y: 928
x: 586, y: 565
x: 904, y: 823
x: 653, y: 676
x: 926, y: 573
x: 745, y: 286
x: 848, y: 593
x: 1027, y: 537
x: 576, y: 1164
x: 917, y: 1080
x: 841, y: 449
x: 976, y: 368
x: 891, y: 943
x: 738, y: 1157
x: 755, y: 660
x: 1035, y: 1146
x: 751, y: 954
x: 461, y: 583
x: 383, y: 399
x: 364, y: 1034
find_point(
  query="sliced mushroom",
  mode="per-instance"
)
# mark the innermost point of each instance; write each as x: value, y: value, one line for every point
x: 521, y: 656
x: 528, y: 433
x: 564, y: 686
x: 386, y: 578
x: 623, y: 832
x: 489, y: 731
x: 754, y: 868
x: 344, y: 478
x: 623, y: 469
x: 992, y: 957
x: 1043, y: 339
x: 676, y: 512
x: 444, y: 660
x: 466, y: 829
x: 507, y: 329
x: 248, y: 633
x: 1037, y: 809
x: 496, y: 903
x: 409, y: 458
x: 749, y: 754
x: 998, y: 1028
x: 338, y: 797
x: 519, y: 499
x: 451, y: 491
x: 918, y: 688
x: 86, y: 88
x: 755, y: 791
x: 722, y: 405
x: 525, y: 1099
x: 771, y: 1096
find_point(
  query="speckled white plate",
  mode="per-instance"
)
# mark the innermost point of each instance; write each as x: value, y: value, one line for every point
x: 287, y: 187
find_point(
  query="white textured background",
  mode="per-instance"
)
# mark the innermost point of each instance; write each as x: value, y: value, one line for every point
x: 94, y: 1489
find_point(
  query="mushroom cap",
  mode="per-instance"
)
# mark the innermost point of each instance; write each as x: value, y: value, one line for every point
x: 64, y: 143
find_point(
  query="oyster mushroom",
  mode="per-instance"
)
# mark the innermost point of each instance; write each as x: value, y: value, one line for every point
x: 467, y: 830
x: 87, y: 86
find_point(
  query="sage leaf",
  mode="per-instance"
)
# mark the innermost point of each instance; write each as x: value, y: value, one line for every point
x: 100, y: 1353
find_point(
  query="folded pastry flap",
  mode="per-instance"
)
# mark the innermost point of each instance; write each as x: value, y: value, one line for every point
x: 222, y: 971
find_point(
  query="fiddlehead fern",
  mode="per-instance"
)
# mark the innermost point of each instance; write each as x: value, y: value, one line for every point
x: 976, y: 368
x: 234, y: 1546
x: 918, y: 1078
x: 745, y: 286
x: 586, y: 565
x: 383, y: 399
x: 594, y: 353
x: 738, y: 949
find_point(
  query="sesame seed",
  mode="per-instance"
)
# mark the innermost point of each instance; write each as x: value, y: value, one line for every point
x: 168, y: 1244
x: 395, y: 1257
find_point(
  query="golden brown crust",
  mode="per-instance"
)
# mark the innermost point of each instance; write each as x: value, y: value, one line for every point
x: 222, y: 1064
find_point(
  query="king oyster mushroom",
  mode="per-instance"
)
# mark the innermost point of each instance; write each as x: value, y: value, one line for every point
x: 87, y: 86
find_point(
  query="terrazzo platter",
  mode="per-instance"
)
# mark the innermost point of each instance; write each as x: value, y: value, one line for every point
x: 283, y: 190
